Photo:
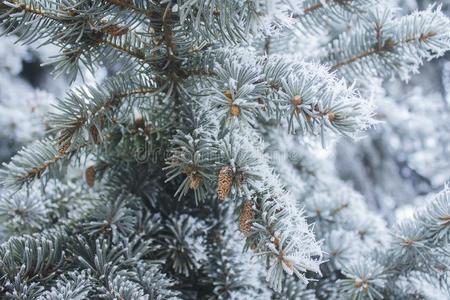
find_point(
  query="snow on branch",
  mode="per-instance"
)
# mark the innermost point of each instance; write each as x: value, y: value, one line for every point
x: 384, y: 46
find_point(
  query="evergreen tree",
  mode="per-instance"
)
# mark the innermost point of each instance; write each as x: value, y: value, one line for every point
x: 193, y: 171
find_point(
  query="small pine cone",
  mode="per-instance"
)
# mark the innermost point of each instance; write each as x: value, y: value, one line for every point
x: 95, y: 134
x: 331, y: 116
x: 297, y: 100
x: 228, y: 94
x: 276, y: 242
x: 195, y: 181
x: 90, y: 176
x: 225, y: 181
x: 235, y: 110
x: 247, y: 214
x: 358, y: 283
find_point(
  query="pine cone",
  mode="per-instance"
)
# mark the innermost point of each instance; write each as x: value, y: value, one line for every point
x: 297, y: 100
x: 195, y: 181
x: 331, y: 116
x: 225, y: 182
x: 247, y: 214
x: 235, y: 110
x: 228, y: 94
x: 90, y: 176
x: 95, y: 134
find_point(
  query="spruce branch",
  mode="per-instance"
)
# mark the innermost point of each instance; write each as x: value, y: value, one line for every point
x: 399, y: 45
x: 422, y: 239
x: 40, y: 159
x: 85, y: 111
x: 31, y: 258
x: 222, y: 21
x: 279, y: 232
x: 235, y: 97
x: 111, y: 220
x: 233, y: 274
x: 304, y: 96
x: 192, y: 155
x: 183, y: 243
x: 314, y: 16
x: 366, y: 280
x: 312, y: 100
x: 155, y: 283
x: 85, y: 32
x: 418, y: 245
x: 103, y: 260
x: 74, y: 285
x: 24, y: 212
x: 436, y: 217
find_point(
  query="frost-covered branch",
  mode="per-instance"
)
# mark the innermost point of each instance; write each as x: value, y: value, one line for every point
x: 384, y: 46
